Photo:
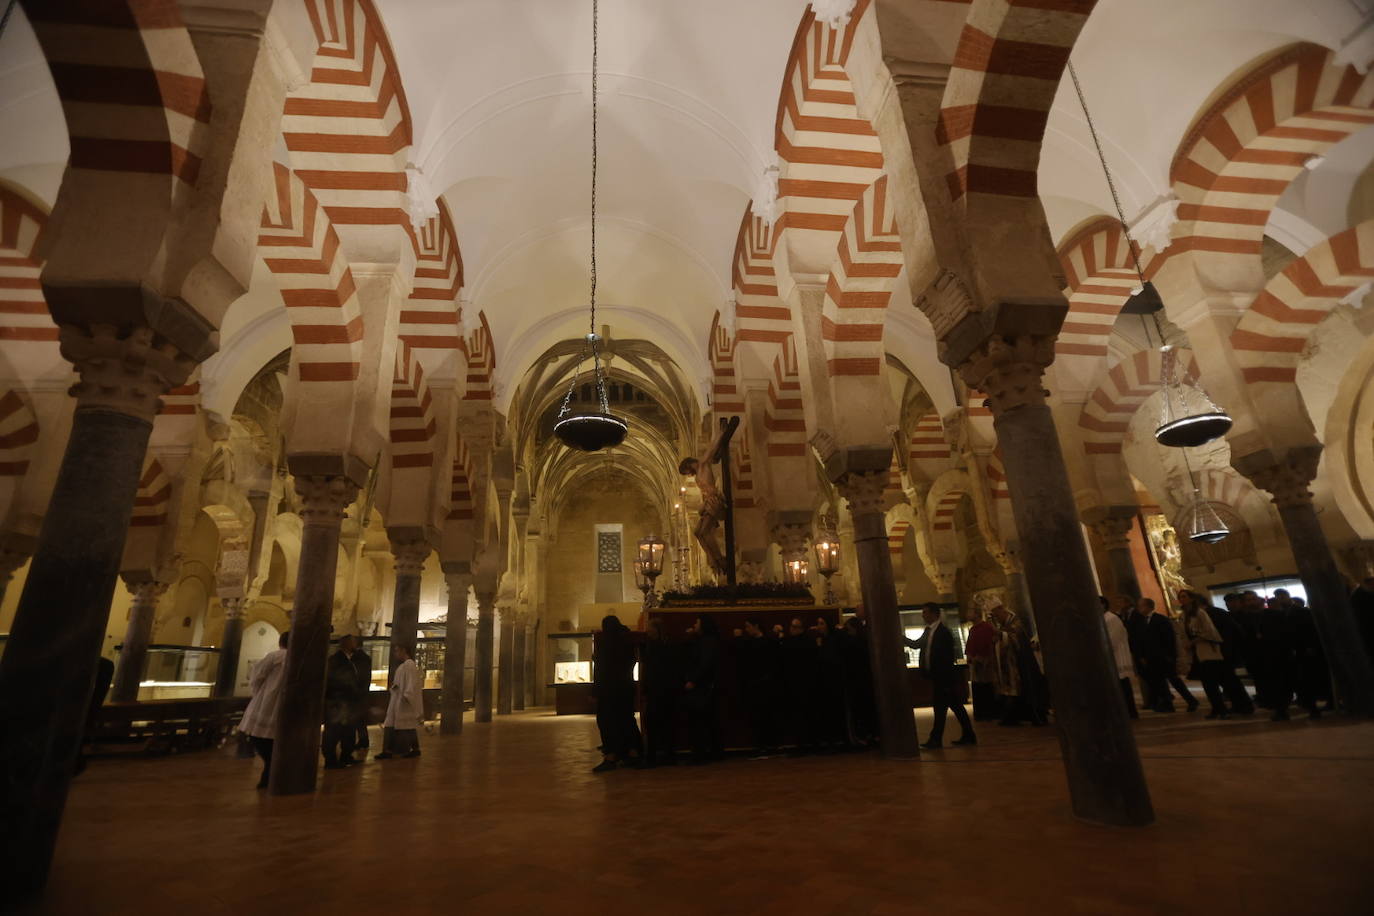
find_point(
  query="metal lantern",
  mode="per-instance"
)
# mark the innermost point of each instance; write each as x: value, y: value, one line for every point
x: 795, y: 572
x: 651, y: 551
x: 1201, y: 522
x: 828, y: 563
x: 1188, y: 417
x: 591, y: 431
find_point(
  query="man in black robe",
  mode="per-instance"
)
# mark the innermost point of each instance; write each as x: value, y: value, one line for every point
x: 345, y: 696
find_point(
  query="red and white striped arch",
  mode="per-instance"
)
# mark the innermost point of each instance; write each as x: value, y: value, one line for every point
x: 18, y: 433
x: 1002, y: 82
x: 928, y: 452
x: 1226, y: 485
x: 23, y: 311
x: 828, y: 153
x: 431, y: 319
x: 945, y: 507
x: 300, y: 247
x: 1107, y: 414
x: 1249, y: 145
x: 866, y: 266
x: 461, y: 504
x: 1101, y: 277
x: 760, y: 315
x: 412, y: 414
x: 131, y: 85
x: 745, y: 494
x: 348, y: 129
x: 1271, y: 335
x: 154, y: 494
x: 785, y: 418
x: 480, y: 350
x: 726, y: 398
x: 896, y: 541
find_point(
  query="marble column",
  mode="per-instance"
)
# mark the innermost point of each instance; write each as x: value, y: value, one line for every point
x: 133, y: 654
x: 1106, y: 781
x: 891, y: 690
x: 48, y: 670
x: 1288, y: 480
x: 410, y: 549
x: 451, y: 702
x: 505, y: 676
x: 531, y: 664
x: 486, y: 639
x: 235, y: 610
x: 295, y: 756
x: 1112, y: 525
x: 522, y: 630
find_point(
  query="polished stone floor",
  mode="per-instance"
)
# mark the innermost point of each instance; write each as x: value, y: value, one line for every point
x: 1253, y: 818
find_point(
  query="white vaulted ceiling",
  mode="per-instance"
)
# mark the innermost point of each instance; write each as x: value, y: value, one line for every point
x: 499, y: 93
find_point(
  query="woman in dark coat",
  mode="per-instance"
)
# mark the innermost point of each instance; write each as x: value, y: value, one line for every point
x: 613, y: 684
x: 660, y: 677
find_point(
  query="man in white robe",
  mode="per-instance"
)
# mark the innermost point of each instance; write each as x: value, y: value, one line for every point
x: 259, y: 720
x: 405, y: 710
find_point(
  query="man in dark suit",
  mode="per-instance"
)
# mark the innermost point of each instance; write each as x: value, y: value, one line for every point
x: 937, y: 663
x: 345, y: 700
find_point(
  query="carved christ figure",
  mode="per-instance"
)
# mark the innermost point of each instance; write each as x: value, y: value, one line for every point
x: 713, y: 506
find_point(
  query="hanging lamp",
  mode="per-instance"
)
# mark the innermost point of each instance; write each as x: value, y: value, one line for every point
x: 595, y: 429
x: 1189, y: 418
x: 1200, y: 520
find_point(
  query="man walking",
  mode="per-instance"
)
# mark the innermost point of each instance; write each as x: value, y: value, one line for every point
x: 937, y: 663
x: 344, y: 696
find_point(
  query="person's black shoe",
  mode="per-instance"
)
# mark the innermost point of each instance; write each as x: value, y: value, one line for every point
x: 1280, y: 715
x: 966, y: 741
x: 605, y: 766
x: 349, y: 761
x: 932, y: 745
x: 1193, y: 706
x: 336, y: 765
x: 414, y: 753
x: 384, y: 755
x: 262, y: 783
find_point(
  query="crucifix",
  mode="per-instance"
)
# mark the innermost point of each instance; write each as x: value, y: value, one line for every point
x: 716, y: 503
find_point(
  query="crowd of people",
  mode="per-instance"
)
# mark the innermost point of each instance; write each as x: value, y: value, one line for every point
x: 348, y: 682
x: 806, y: 689
x: 1275, y: 640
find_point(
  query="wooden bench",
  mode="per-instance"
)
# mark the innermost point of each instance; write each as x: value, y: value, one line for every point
x: 159, y: 727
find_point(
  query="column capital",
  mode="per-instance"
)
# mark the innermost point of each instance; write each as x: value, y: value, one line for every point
x: 486, y: 601
x: 1008, y: 368
x: 1112, y: 524
x: 125, y: 374
x: 792, y: 538
x: 864, y: 490
x: 1288, y: 479
x: 235, y: 608
x: 410, y: 548
x: 144, y: 588
x: 324, y: 498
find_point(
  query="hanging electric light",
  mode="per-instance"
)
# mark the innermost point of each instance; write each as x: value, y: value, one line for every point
x: 595, y: 429
x: 1188, y: 417
x: 1199, y: 520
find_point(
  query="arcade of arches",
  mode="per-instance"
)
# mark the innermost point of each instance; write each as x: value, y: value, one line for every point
x: 292, y: 291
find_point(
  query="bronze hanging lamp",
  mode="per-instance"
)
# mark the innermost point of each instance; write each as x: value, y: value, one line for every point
x: 595, y: 429
x: 1199, y: 520
x: 1189, y: 417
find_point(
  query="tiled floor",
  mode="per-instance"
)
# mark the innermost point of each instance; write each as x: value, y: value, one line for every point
x: 1253, y: 818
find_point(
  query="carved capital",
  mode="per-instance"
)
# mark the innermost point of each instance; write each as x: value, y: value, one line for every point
x: 945, y: 302
x: 1287, y: 480
x: 943, y: 577
x: 127, y: 374
x: 1009, y: 369
x: 791, y: 539
x: 234, y: 608
x: 410, y: 550
x: 1114, y: 531
x: 145, y: 591
x: 864, y: 491
x: 324, y: 499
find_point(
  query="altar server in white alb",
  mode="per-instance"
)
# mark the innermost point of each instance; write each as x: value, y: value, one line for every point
x: 404, y: 712
x: 259, y: 720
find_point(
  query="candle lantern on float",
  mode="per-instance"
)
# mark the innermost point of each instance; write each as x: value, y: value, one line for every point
x: 648, y: 566
x: 828, y: 563
x: 796, y: 572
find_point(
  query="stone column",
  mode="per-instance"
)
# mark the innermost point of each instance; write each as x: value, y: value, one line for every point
x: 531, y: 663
x: 1287, y: 480
x: 486, y: 638
x: 133, y: 655
x: 892, y: 692
x: 505, y: 680
x: 48, y: 670
x: 324, y: 497
x: 410, y: 549
x: 522, y: 629
x: 235, y: 611
x: 1106, y: 781
x: 451, y: 701
x: 1112, y: 525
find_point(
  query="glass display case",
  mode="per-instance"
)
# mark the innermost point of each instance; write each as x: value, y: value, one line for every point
x: 429, y: 658
x: 571, y: 657
x: 914, y: 627
x: 177, y: 672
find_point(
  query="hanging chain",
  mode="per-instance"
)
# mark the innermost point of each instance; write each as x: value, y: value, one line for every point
x: 1111, y: 185
x: 595, y: 49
